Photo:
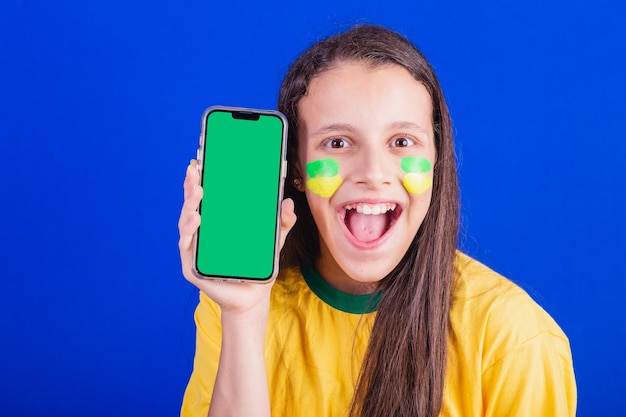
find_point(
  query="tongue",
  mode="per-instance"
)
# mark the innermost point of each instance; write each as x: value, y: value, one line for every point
x: 366, y: 228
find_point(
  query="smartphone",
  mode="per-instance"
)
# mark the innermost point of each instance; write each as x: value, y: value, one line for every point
x: 242, y: 166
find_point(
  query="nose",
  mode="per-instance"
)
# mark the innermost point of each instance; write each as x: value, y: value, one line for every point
x: 374, y: 167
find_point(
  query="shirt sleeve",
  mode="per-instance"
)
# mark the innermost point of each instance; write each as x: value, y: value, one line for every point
x: 197, y: 396
x: 528, y: 368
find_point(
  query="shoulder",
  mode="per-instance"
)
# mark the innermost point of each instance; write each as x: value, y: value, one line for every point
x: 472, y: 278
x: 290, y: 291
x: 505, y: 349
x: 479, y: 287
x: 498, y: 311
x: 290, y: 283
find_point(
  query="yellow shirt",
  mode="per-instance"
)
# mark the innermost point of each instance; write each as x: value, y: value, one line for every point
x: 506, y: 356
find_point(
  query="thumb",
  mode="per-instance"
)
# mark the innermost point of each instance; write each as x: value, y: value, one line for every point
x: 287, y: 219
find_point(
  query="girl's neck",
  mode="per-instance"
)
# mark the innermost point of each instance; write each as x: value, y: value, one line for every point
x: 332, y: 273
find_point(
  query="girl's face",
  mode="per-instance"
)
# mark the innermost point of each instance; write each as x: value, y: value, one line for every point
x: 366, y: 152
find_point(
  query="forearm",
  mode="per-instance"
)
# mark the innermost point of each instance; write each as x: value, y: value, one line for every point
x: 241, y: 383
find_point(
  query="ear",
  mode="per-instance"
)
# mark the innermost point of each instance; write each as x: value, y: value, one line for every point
x: 297, y: 178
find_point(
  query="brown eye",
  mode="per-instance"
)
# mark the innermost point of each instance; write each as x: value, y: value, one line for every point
x: 336, y: 143
x: 402, y: 142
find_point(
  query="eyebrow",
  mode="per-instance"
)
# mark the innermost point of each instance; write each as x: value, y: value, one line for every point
x: 398, y: 125
x: 333, y: 128
x: 402, y: 125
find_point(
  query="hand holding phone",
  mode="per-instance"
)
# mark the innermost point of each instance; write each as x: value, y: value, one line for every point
x: 242, y: 168
x: 233, y: 297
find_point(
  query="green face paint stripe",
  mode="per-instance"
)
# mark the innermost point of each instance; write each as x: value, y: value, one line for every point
x: 415, y: 164
x: 322, y: 168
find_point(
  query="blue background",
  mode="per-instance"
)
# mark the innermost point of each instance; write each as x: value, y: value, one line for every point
x: 100, y: 104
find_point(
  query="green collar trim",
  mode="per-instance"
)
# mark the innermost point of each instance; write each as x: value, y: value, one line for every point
x: 348, y: 303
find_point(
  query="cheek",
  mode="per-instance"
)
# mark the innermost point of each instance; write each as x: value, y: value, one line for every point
x: 323, y: 177
x: 417, y: 183
x: 418, y: 178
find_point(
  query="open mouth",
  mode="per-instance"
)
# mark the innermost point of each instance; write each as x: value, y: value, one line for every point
x: 369, y: 222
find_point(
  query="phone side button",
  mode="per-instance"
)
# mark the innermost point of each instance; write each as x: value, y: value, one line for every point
x: 283, y: 173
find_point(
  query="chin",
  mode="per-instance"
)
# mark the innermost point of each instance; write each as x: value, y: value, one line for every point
x: 369, y: 271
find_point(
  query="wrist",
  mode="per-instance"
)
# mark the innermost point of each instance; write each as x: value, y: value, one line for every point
x: 248, y: 322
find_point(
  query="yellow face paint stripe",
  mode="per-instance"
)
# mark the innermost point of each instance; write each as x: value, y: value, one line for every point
x: 416, y: 180
x: 324, y: 177
x: 417, y: 183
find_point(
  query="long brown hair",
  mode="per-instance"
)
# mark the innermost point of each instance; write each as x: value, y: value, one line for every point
x: 404, y: 367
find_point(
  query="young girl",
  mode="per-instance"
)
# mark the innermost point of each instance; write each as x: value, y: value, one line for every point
x: 375, y: 311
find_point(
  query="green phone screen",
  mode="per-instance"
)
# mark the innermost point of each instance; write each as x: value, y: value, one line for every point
x: 241, y: 179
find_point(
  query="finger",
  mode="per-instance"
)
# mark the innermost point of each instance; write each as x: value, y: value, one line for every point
x: 287, y: 219
x: 189, y: 220
x: 190, y: 204
x: 192, y: 177
x: 185, y: 241
x: 193, y: 199
x: 189, y: 227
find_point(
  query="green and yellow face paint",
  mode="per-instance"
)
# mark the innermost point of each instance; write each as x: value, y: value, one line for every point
x: 416, y: 180
x: 324, y: 177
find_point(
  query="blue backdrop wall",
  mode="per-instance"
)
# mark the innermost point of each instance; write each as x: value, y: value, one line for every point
x: 100, y: 103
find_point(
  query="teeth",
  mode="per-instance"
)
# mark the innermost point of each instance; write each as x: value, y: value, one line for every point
x: 371, y: 209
